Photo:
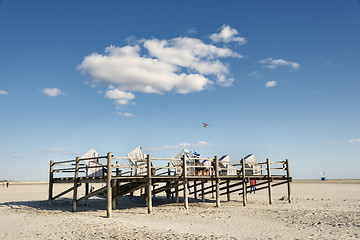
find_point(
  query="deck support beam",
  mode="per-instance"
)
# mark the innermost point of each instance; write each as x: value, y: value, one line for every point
x: 186, y: 193
x: 148, y: 186
x: 269, y: 180
x: 217, y: 181
x: 244, y: 190
x: 51, y: 183
x: 109, y: 189
x: 75, y: 184
x: 202, y: 191
x: 288, y: 178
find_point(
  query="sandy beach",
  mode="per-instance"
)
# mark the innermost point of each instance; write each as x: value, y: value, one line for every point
x: 320, y: 210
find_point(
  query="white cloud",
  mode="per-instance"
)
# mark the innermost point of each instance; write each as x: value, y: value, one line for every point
x: 254, y: 74
x: 125, y: 114
x: 182, y: 65
x: 354, y: 140
x: 9, y: 152
x: 3, y: 92
x: 268, y: 146
x: 61, y: 151
x: 54, y: 150
x: 270, y: 84
x: 52, y: 92
x: 120, y: 97
x: 275, y: 63
x: 227, y: 34
x: 181, y: 146
x: 192, y: 31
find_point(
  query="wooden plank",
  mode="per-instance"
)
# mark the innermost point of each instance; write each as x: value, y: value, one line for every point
x: 51, y: 187
x: 269, y: 182
x: 65, y: 192
x: 243, y: 181
x: 75, y: 184
x: 288, y: 176
x: 86, y: 193
x: 202, y: 191
x: 148, y: 186
x: 92, y: 194
x: 130, y: 187
x: 186, y: 196
x: 109, y: 190
x: 228, y: 189
x: 217, y: 181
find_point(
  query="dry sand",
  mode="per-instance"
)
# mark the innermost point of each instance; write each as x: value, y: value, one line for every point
x: 320, y: 210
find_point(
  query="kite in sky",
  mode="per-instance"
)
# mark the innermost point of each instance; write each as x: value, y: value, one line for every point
x: 205, y: 124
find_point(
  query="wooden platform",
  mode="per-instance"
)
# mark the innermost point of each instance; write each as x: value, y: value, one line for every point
x: 119, y: 181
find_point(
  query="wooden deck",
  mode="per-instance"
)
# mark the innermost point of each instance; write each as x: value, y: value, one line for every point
x: 119, y: 180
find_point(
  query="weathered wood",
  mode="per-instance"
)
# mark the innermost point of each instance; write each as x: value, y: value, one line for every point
x: 208, y: 187
x: 134, y: 183
x: 117, y: 183
x: 192, y: 186
x: 279, y: 183
x: 148, y: 187
x: 243, y: 181
x: 269, y: 182
x: 94, y: 193
x: 195, y: 190
x: 108, y: 189
x: 165, y: 188
x: 217, y: 181
x: 168, y: 190
x: 186, y: 196
x: 288, y: 176
x: 212, y: 188
x: 130, y: 187
x: 228, y: 189
x: 177, y: 192
x: 234, y: 190
x: 51, y: 183
x: 75, y: 184
x: 86, y: 193
x: 65, y: 192
x: 202, y: 191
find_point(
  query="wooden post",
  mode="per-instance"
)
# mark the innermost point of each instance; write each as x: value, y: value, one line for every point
x: 117, y: 183
x: 228, y: 189
x: 269, y: 180
x: 243, y: 181
x: 75, y: 184
x: 186, y: 197
x: 148, y: 187
x: 51, y: 176
x: 177, y: 193
x: 217, y: 181
x: 195, y: 190
x: 168, y: 192
x: 202, y: 191
x: 212, y: 184
x: 288, y: 178
x: 109, y: 189
x: 86, y: 193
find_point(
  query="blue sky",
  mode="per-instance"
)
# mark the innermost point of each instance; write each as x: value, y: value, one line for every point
x: 279, y: 79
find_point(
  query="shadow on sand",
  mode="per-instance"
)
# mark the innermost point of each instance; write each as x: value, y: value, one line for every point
x: 98, y: 203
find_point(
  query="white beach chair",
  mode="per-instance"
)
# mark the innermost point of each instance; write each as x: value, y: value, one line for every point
x: 138, y: 162
x: 226, y: 168
x: 92, y: 171
x: 252, y: 167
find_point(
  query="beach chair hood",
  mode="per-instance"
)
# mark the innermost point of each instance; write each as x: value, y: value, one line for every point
x: 92, y: 172
x: 137, y: 161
